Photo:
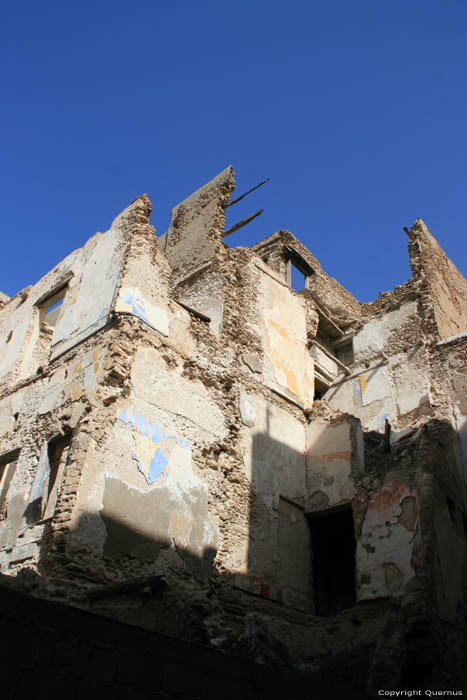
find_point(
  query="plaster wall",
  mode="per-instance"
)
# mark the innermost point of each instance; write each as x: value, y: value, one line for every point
x: 335, y: 455
x: 144, y: 282
x: 375, y: 336
x: 140, y: 493
x: 288, y: 363
x: 90, y: 275
x: 19, y: 324
x: 273, y: 447
x: 397, y: 382
x: 204, y: 292
x: 29, y: 418
x: 90, y: 293
x: 386, y: 544
x: 368, y: 396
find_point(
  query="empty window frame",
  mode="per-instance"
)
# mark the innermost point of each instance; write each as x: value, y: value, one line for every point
x: 48, y: 478
x: 57, y: 452
x: 8, y: 463
x: 333, y: 561
x: 296, y: 276
x: 297, y: 270
x: 321, y: 388
x: 50, y: 308
x: 344, y: 352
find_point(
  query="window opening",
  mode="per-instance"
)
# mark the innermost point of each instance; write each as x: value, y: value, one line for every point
x: 297, y: 278
x: 297, y: 270
x: 333, y: 562
x: 8, y: 464
x: 50, y: 309
x: 320, y: 389
x: 57, y: 451
x: 47, y: 480
x: 344, y: 352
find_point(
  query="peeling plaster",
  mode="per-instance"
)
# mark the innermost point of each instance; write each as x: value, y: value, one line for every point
x: 130, y: 300
x: 155, y: 449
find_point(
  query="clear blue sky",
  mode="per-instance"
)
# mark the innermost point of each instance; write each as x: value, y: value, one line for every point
x: 356, y: 110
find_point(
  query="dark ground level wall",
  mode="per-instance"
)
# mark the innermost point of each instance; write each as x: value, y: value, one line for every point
x: 52, y: 651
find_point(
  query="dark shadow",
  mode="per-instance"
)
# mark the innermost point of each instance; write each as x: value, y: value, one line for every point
x: 333, y: 546
x: 151, y: 582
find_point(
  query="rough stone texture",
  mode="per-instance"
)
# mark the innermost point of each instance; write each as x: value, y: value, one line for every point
x: 441, y: 286
x: 182, y: 384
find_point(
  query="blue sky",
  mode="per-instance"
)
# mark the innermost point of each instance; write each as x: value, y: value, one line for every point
x: 357, y: 111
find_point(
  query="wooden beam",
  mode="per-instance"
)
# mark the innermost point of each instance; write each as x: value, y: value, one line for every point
x: 242, y: 223
x: 247, y: 193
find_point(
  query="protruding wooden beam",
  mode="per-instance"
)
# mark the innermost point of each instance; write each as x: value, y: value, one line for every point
x: 242, y: 223
x: 247, y: 193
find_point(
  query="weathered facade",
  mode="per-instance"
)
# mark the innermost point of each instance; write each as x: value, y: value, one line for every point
x: 190, y: 445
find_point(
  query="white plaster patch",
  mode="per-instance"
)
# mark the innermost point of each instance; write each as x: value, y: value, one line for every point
x: 288, y: 363
x: 184, y: 406
x: 329, y: 461
x: 385, y: 545
x: 87, y: 302
x: 374, y: 335
x: 131, y: 301
x: 411, y: 384
x: 247, y: 410
x: 274, y: 452
x: 368, y: 396
x: 12, y: 349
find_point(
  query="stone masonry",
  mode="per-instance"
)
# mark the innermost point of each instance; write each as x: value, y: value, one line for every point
x: 191, y: 446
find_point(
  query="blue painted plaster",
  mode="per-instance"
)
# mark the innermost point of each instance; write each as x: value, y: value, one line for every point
x: 137, y: 306
x: 382, y: 419
x: 159, y: 461
x: 357, y: 393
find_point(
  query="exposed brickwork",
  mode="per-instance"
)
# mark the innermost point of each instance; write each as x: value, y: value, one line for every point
x: 210, y: 418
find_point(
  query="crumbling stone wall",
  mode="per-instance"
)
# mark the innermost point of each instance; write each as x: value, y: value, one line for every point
x: 282, y: 246
x: 441, y: 286
x: 183, y: 384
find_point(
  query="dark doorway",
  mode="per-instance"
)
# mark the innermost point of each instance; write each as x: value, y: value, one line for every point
x: 333, y: 547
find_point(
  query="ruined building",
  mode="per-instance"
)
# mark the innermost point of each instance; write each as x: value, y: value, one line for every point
x: 191, y: 446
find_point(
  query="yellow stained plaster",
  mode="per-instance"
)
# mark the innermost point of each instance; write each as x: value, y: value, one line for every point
x: 76, y: 392
x: 290, y: 379
x: 144, y: 448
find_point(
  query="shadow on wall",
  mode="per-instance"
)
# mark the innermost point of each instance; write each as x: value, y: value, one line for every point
x: 148, y: 556
x: 149, y: 561
x: 300, y: 556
